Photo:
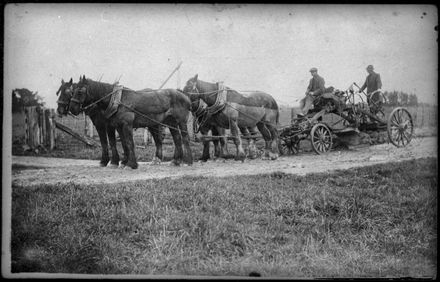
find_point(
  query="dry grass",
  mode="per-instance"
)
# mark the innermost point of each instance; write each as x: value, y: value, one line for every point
x: 376, y: 221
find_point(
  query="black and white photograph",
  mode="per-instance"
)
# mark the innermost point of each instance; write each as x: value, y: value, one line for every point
x: 207, y: 141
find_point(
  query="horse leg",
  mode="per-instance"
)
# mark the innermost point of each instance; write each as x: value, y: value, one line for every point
x: 218, y: 143
x: 244, y: 131
x: 237, y: 140
x: 223, y: 141
x: 112, y: 140
x: 102, y: 132
x: 252, y: 141
x: 206, y: 144
x: 273, y: 155
x: 267, y: 138
x: 124, y: 146
x: 127, y: 128
x: 187, y: 153
x: 177, y: 139
x: 158, y: 140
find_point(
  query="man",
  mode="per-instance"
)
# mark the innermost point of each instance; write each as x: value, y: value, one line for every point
x: 316, y: 87
x: 372, y: 82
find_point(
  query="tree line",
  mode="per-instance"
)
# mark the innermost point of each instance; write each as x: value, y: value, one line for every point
x: 25, y: 98
x: 399, y: 98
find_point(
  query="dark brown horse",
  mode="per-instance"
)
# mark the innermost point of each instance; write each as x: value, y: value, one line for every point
x: 104, y: 130
x: 137, y: 109
x: 236, y: 111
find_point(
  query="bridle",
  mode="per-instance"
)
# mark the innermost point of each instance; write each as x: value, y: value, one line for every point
x: 66, y: 91
x: 75, y: 100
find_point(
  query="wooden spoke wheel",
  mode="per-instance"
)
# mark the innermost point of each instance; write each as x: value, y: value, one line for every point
x: 400, y: 127
x: 282, y: 147
x: 321, y: 138
x: 287, y: 147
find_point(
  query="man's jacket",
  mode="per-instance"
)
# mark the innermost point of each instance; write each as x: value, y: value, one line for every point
x: 372, y: 83
x: 316, y: 85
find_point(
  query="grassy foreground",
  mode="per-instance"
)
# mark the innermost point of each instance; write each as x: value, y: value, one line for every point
x: 376, y: 221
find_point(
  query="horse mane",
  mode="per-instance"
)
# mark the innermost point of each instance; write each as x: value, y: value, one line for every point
x: 99, y: 87
x: 206, y: 86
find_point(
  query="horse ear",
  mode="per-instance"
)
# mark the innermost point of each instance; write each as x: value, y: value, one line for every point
x: 71, y: 81
x: 196, y: 76
x: 62, y: 81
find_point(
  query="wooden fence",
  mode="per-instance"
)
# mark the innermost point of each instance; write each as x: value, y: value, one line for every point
x: 37, y: 126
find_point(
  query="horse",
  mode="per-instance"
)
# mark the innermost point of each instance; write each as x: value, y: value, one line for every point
x: 206, y: 124
x: 104, y: 130
x: 136, y: 109
x: 103, y: 127
x: 230, y: 109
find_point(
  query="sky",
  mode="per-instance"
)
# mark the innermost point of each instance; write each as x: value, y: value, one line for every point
x: 249, y: 47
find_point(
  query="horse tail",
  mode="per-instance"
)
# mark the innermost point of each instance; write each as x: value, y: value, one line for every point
x: 277, y: 108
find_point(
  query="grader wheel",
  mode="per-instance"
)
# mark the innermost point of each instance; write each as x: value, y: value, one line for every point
x: 400, y: 127
x: 321, y: 138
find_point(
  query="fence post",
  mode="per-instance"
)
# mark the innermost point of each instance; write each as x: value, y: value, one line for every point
x: 42, y: 125
x: 32, y: 135
x: 49, y: 128
x: 147, y: 137
x: 190, y: 127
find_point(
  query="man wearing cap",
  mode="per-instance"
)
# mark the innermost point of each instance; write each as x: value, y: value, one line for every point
x: 316, y: 87
x: 372, y: 82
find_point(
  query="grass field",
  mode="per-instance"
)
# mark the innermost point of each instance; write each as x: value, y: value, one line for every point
x: 377, y: 221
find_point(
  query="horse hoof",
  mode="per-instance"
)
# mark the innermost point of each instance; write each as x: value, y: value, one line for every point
x: 132, y: 165
x: 128, y: 168
x: 273, y: 157
x: 156, y: 161
x: 121, y: 166
x: 113, y: 165
x: 102, y: 164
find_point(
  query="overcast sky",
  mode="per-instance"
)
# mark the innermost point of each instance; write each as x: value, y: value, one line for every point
x: 249, y: 47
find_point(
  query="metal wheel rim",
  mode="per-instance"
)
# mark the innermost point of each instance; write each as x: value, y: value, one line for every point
x: 321, y: 139
x: 400, y: 127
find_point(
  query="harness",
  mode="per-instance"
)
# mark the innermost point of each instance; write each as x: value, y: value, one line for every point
x: 115, y: 100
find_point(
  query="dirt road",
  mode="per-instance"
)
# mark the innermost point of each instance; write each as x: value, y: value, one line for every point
x: 37, y: 170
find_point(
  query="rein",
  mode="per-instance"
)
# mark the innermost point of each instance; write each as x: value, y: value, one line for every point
x: 96, y: 102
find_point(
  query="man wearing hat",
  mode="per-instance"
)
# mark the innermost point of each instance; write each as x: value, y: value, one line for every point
x: 316, y: 87
x: 373, y: 82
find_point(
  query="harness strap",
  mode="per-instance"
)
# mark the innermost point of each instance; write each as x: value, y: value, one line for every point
x: 115, y: 99
x: 220, y: 101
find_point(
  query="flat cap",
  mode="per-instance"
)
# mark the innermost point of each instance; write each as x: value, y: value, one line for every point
x: 370, y: 67
x: 313, y: 69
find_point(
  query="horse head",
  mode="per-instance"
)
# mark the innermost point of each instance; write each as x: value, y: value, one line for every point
x: 79, y: 96
x: 197, y: 89
x: 191, y: 85
x: 65, y: 94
